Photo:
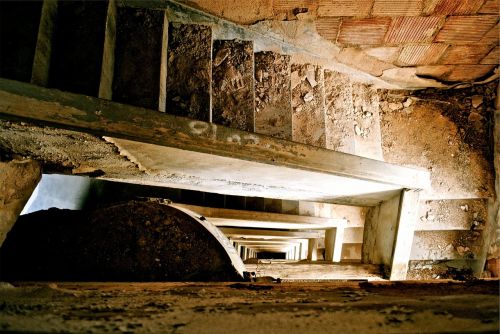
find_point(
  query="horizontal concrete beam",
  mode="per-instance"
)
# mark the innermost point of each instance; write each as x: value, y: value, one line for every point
x: 255, y: 219
x: 243, y: 160
x: 271, y: 234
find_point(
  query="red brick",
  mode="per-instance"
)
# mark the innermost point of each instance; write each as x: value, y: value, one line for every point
x: 413, y: 29
x: 454, y: 7
x: 357, y: 8
x: 363, y: 31
x: 397, y: 8
x: 465, y: 54
x: 328, y: 27
x: 421, y: 54
x: 466, y: 29
x: 493, y: 57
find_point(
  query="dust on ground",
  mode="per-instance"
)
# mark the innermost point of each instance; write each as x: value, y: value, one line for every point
x: 273, y: 115
x: 232, y: 84
x: 446, y: 132
x: 250, y: 307
x: 189, y: 71
x: 308, y: 118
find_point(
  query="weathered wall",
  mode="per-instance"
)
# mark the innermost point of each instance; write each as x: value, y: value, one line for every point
x: 18, y: 179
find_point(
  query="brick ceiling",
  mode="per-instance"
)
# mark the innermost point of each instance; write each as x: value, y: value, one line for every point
x: 451, y: 40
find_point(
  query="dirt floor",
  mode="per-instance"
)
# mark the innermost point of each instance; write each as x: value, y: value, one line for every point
x: 250, y: 308
x: 232, y: 84
x: 78, y: 45
x: 130, y: 241
x: 273, y: 114
x: 339, y: 112
x: 138, y: 36
x: 446, y: 132
x: 308, y: 118
x: 189, y: 71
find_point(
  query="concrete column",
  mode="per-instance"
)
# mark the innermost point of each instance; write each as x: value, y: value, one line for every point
x: 18, y: 179
x: 333, y: 243
x: 312, y: 252
x: 296, y: 255
x: 303, y: 249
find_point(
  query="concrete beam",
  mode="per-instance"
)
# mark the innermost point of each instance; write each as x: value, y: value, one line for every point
x: 236, y: 233
x: 18, y: 179
x: 255, y: 219
x: 212, y: 151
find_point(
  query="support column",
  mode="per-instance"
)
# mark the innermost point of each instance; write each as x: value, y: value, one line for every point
x: 108, y: 57
x: 43, y: 51
x: 312, y: 251
x: 389, y: 230
x: 18, y: 179
x: 334, y: 238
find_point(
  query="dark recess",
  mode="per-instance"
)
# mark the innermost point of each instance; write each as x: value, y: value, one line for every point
x: 78, y: 46
x: 138, y: 57
x: 19, y: 21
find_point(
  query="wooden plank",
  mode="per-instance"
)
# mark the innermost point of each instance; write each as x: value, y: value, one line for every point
x: 289, y: 271
x: 108, y: 57
x: 263, y: 233
x: 254, y: 219
x: 250, y: 156
x: 407, y: 220
x: 43, y: 51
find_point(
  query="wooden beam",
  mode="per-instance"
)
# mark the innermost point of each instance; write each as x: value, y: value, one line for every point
x: 315, y: 271
x: 263, y: 233
x: 43, y: 51
x: 331, y: 174
x: 108, y: 57
x: 389, y: 230
x: 254, y: 219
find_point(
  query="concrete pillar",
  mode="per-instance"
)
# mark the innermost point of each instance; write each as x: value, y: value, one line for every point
x: 303, y: 249
x: 296, y: 254
x: 333, y: 243
x: 18, y: 179
x: 312, y: 252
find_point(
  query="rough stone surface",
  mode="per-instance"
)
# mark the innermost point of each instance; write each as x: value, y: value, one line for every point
x: 18, y: 179
x: 443, y: 133
x: 273, y: 114
x: 308, y: 118
x: 251, y: 307
x: 189, y: 71
x: 367, y: 142
x: 138, y: 57
x: 339, y: 112
x: 132, y: 241
x: 232, y: 84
